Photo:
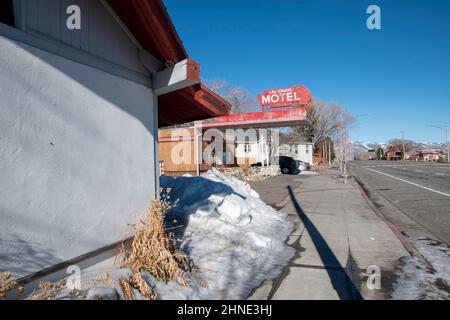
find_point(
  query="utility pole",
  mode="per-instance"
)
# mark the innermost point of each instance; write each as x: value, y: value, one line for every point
x: 341, y: 149
x: 403, y: 146
x: 323, y: 151
x: 345, y: 161
x: 445, y: 129
x: 329, y: 152
x: 447, y: 142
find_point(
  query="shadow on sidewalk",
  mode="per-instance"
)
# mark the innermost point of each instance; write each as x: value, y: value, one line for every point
x: 327, y: 256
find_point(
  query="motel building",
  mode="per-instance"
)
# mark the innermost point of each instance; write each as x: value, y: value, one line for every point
x: 240, y: 140
x: 80, y: 112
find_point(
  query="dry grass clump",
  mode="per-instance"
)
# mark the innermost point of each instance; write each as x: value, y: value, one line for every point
x: 48, y: 290
x: 154, y: 248
x: 139, y: 283
x: 6, y: 284
x: 126, y: 289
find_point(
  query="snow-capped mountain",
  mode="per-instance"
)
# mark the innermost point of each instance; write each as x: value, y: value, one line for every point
x: 359, y: 146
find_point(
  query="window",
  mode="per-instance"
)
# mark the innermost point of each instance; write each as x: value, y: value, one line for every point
x: 307, y: 149
x: 161, y: 168
x: 247, y: 148
x: 7, y: 12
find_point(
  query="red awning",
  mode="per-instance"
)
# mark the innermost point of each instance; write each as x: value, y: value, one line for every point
x: 150, y: 24
x: 266, y: 119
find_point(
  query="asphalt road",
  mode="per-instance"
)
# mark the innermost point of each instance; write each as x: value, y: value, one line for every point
x: 419, y: 190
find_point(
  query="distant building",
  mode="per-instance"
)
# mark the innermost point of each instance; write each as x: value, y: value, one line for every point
x: 297, y: 147
x: 414, y: 156
x: 429, y: 156
x: 394, y: 154
x: 249, y: 152
x: 367, y: 155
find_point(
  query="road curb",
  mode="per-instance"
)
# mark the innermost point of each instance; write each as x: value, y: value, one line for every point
x: 406, y: 243
x: 399, y: 235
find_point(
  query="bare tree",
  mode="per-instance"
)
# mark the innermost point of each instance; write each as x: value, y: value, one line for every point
x: 398, y: 144
x: 344, y: 148
x: 327, y: 121
x: 239, y: 97
x: 216, y: 85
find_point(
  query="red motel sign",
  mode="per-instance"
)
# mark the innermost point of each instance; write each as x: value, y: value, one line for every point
x: 287, y: 97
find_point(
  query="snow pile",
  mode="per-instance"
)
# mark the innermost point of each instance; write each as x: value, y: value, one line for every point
x: 419, y: 281
x: 234, y: 239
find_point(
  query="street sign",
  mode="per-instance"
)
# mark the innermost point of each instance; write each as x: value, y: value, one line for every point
x: 287, y: 97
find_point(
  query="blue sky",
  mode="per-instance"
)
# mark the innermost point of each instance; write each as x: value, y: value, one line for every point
x: 399, y: 74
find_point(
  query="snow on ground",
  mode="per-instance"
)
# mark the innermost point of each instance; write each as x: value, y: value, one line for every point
x: 233, y: 237
x: 308, y: 173
x: 419, y: 281
x: 235, y: 240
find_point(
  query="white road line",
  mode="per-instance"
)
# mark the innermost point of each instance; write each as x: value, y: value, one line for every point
x: 409, y: 182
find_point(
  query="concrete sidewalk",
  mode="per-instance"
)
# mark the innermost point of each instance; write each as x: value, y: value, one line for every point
x: 337, y: 237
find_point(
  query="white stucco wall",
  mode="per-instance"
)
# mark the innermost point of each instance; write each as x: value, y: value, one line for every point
x: 76, y: 157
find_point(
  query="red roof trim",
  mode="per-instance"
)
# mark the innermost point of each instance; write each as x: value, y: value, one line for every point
x: 190, y: 104
x: 212, y: 101
x: 151, y: 25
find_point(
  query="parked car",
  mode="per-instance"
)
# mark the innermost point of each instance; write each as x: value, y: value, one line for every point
x: 304, y: 166
x: 288, y: 165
